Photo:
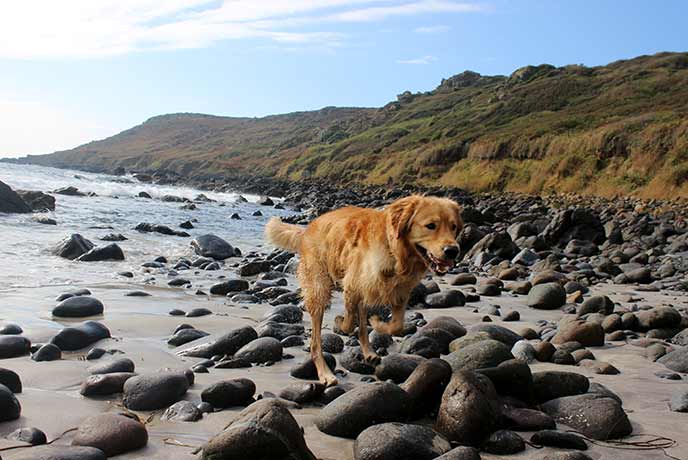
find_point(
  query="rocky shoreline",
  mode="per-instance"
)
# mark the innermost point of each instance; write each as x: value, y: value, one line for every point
x: 564, y: 314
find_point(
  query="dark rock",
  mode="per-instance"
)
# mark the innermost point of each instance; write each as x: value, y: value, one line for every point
x: 261, y: 350
x: 524, y: 419
x: 197, y: 312
x: 229, y: 393
x: 154, y: 391
x: 499, y: 333
x: 10, y: 409
x: 109, y: 367
x: 353, y: 361
x: 511, y: 378
x: 254, y: 267
x: 78, y: 307
x: 47, y: 352
x: 302, y: 393
x: 30, y: 435
x: 421, y: 345
x: 425, y: 386
x: 227, y: 286
x: 182, y: 411
x: 10, y: 329
x: 101, y: 253
x: 676, y: 360
x: 547, y: 296
x: 279, y: 330
x: 11, y: 380
x: 560, y: 439
x: 586, y: 333
x: 10, y: 201
x: 548, y: 385
x: 13, y: 346
x: 397, y: 367
x: 363, y: 406
x: 594, y: 416
x: 72, y: 247
x: 105, y: 384
x: 446, y: 299
x: 114, y: 434
x: 227, y: 344
x: 60, y: 453
x: 37, y: 201
x: 307, y: 371
x: 461, y: 453
x: 658, y: 318
x: 394, y: 441
x: 679, y: 401
x: 264, y: 430
x: 448, y: 324
x: 332, y: 343
x: 213, y: 246
x: 185, y: 336
x: 504, y: 442
x: 482, y: 354
x: 469, y: 411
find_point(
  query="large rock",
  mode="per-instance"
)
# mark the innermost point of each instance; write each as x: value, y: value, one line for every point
x: 110, y: 367
x: 425, y: 386
x: 213, y: 246
x: 469, y: 411
x: 658, y: 318
x: 110, y: 252
x: 547, y: 296
x: 10, y: 201
x: 227, y: 344
x: 114, y: 434
x: 586, y: 333
x: 595, y: 416
x: 596, y: 304
x: 227, y: 286
x: 12, y: 346
x: 485, y: 353
x: 576, y: 223
x: 397, y: 367
x: 511, y: 378
x: 229, y: 393
x: 495, y: 332
x: 364, y: 406
x: 10, y: 409
x: 37, y: 201
x: 264, y: 430
x: 395, y: 441
x: 78, y: 307
x: 60, y: 453
x: 72, y: 247
x: 11, y: 380
x: 81, y: 336
x: 498, y: 243
x: 676, y: 360
x: 105, y: 384
x: 182, y: 411
x: 154, y: 391
x: 549, y: 385
x: 261, y: 350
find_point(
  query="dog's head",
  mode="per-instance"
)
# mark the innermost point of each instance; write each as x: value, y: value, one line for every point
x: 426, y: 228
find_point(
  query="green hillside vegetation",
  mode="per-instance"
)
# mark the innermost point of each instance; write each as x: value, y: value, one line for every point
x: 609, y: 130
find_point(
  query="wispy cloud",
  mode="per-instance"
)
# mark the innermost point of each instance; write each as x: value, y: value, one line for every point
x: 418, y: 61
x: 48, y: 29
x: 431, y: 30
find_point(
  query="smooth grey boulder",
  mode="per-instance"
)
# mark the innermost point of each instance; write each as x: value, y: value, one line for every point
x: 78, y: 307
x: 394, y: 441
x: 10, y: 201
x: 229, y: 393
x: 105, y: 384
x: 102, y: 253
x: 213, y: 246
x: 10, y: 409
x: 81, y: 336
x: 13, y: 346
x: 72, y: 247
x: 595, y: 416
x: 154, y: 391
x: 227, y: 344
x: 261, y: 350
x: 114, y: 434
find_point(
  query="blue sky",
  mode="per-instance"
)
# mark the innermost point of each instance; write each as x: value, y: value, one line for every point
x: 87, y: 69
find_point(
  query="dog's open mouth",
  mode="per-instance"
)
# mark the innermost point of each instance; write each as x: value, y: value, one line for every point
x: 439, y: 266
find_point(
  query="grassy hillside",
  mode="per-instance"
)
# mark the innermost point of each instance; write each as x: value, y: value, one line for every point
x: 615, y: 129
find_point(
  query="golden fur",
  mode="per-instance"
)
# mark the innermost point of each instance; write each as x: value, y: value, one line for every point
x: 376, y: 257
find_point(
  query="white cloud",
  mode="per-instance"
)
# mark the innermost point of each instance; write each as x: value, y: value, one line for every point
x: 431, y: 30
x: 418, y: 61
x: 50, y: 29
x: 29, y: 127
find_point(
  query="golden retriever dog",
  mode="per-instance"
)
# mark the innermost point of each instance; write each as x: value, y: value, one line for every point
x: 375, y: 256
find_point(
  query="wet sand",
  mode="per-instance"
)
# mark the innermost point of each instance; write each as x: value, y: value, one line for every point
x: 140, y: 326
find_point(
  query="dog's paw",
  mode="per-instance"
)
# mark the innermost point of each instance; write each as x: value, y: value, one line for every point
x: 329, y: 380
x: 372, y: 359
x: 377, y: 323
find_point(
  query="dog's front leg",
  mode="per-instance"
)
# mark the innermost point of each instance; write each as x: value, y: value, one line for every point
x: 368, y: 355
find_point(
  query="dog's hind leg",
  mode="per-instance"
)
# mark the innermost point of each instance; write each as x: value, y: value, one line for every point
x: 395, y: 326
x: 369, y: 355
x: 316, y: 295
x: 347, y: 323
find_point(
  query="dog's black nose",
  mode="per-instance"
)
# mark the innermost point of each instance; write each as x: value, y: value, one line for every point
x: 451, y: 252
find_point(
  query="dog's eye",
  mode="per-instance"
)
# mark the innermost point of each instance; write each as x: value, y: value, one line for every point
x: 431, y: 226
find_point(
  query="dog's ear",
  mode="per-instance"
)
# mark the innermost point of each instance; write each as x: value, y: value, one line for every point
x: 401, y: 214
x: 456, y: 208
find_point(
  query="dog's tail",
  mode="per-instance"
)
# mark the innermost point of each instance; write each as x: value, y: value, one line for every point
x: 285, y: 236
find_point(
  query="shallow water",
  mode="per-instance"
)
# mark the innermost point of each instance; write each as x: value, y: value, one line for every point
x: 25, y: 244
